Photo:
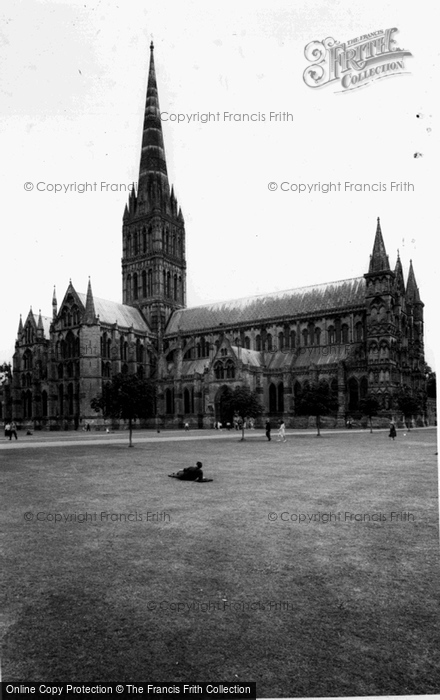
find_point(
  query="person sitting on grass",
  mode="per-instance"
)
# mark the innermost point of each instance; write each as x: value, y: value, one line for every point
x: 190, y: 474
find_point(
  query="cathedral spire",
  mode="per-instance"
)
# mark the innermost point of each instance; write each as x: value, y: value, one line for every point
x: 412, y: 290
x: 153, y: 230
x: 54, y: 304
x: 400, y: 282
x: 20, y: 325
x: 40, y: 322
x: 89, y: 315
x: 153, y: 163
x: 379, y: 259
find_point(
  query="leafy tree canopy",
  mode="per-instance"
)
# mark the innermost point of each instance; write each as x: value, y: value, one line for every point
x: 126, y: 396
x: 243, y: 402
x: 369, y: 405
x: 316, y: 399
x: 409, y: 402
x: 431, y: 382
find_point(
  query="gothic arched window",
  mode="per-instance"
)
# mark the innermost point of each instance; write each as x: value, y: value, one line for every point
x: 106, y: 370
x: 272, y: 398
x: 363, y: 387
x: 169, y: 401
x: 219, y: 370
x: 44, y: 402
x: 139, y: 351
x: 186, y: 401
x: 135, y: 286
x: 280, y: 397
x: 128, y: 287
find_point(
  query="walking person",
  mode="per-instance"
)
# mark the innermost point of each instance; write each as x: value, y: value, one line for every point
x: 392, y: 433
x: 13, y: 430
x: 282, y: 432
x: 268, y: 429
x: 7, y: 430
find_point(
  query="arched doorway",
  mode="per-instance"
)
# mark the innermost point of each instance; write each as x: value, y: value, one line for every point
x: 222, y: 414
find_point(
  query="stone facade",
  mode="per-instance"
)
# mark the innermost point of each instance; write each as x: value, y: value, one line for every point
x: 359, y: 335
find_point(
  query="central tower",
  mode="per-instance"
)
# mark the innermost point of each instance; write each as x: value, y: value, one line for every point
x: 153, y: 232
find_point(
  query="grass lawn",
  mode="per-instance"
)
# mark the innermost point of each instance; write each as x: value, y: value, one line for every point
x: 213, y: 589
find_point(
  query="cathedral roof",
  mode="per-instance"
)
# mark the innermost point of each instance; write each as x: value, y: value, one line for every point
x: 303, y: 357
x: 249, y: 357
x: 192, y: 366
x: 111, y: 312
x: 270, y: 307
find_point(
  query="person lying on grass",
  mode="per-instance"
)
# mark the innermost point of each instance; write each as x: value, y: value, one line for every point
x: 190, y: 474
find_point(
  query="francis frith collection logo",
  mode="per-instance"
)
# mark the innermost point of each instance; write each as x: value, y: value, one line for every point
x: 355, y: 63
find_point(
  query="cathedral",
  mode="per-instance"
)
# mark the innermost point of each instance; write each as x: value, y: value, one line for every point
x: 361, y: 335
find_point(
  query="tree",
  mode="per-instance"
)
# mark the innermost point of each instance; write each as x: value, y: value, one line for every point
x: 126, y: 396
x: 369, y: 406
x: 409, y: 404
x: 317, y: 400
x: 431, y: 382
x: 244, y: 402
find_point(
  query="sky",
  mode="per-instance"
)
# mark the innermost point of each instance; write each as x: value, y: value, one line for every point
x: 72, y: 96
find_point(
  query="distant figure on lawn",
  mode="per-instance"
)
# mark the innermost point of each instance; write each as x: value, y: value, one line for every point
x: 282, y: 432
x: 190, y: 474
x: 268, y: 429
x: 13, y: 430
x: 392, y: 433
